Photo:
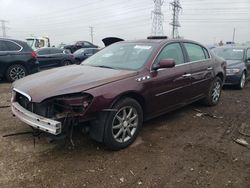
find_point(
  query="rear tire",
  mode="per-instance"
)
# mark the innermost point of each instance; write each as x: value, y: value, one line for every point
x: 15, y: 72
x: 122, y: 126
x: 214, y: 93
x: 66, y: 63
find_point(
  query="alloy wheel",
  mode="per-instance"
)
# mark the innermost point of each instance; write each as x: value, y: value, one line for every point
x: 17, y: 73
x: 125, y: 124
x: 243, y: 80
x: 216, y: 92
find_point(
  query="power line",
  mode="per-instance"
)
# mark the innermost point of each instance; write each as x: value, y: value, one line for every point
x: 157, y: 24
x: 176, y: 7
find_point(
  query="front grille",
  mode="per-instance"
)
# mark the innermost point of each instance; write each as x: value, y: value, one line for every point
x: 41, y: 109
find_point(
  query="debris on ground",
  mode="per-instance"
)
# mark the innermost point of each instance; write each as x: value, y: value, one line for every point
x: 122, y: 180
x: 243, y: 130
x: 4, y: 106
x: 200, y: 114
x: 241, y: 141
x: 132, y: 172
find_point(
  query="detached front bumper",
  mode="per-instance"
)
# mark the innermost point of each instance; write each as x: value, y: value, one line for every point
x: 36, y: 121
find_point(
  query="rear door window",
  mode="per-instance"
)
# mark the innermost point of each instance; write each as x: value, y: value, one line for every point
x: 56, y: 51
x: 11, y: 46
x: 88, y: 51
x: 172, y: 51
x: 195, y: 52
x: 43, y: 52
x: 3, y: 47
x: 86, y: 44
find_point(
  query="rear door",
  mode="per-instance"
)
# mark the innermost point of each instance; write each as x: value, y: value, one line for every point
x: 43, y: 57
x: 201, y: 66
x: 170, y: 86
x: 56, y: 57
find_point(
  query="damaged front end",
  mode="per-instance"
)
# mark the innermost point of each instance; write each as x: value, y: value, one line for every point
x: 53, y: 115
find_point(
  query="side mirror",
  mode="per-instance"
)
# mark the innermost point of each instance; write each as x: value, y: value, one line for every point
x: 164, y: 63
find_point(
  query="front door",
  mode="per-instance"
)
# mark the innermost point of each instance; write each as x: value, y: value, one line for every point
x: 170, y: 86
x: 248, y: 62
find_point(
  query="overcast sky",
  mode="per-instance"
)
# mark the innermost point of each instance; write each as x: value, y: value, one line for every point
x: 206, y: 21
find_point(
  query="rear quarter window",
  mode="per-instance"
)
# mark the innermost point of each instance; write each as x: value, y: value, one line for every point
x: 195, y: 52
x: 11, y: 46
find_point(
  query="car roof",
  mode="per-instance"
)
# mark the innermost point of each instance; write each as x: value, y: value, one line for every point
x: 14, y: 40
x: 162, y: 41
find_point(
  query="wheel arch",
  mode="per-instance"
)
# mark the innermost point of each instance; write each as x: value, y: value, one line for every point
x: 221, y: 76
x: 97, y: 131
x: 131, y: 94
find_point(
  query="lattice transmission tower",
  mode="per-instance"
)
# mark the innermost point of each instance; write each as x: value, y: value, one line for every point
x: 176, y: 7
x: 157, y: 24
x: 3, y: 27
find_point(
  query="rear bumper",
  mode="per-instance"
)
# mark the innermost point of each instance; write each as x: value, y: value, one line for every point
x: 36, y: 121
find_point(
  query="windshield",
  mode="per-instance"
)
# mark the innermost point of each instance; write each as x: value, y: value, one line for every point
x: 121, y: 56
x: 229, y: 53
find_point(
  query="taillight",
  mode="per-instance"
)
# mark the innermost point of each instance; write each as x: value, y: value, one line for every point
x: 33, y: 54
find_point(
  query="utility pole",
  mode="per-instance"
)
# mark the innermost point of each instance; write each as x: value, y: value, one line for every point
x: 92, y: 33
x: 157, y: 24
x: 3, y: 27
x: 234, y: 34
x: 176, y: 7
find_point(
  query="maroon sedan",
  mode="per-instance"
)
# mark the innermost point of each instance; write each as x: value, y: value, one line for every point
x: 118, y: 88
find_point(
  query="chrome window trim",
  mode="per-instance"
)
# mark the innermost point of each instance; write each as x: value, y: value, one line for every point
x: 24, y: 94
x: 21, y: 48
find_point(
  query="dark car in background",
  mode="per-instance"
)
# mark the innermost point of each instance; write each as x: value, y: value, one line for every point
x: 118, y: 88
x: 238, y: 64
x: 84, y: 53
x: 17, y: 59
x: 54, y: 57
x: 79, y: 44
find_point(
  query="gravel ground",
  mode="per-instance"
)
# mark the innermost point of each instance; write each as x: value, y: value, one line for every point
x: 185, y: 148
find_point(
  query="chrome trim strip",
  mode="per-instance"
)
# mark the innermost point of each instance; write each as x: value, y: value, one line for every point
x: 166, y: 92
x: 201, y: 81
x: 36, y: 121
x: 26, y: 95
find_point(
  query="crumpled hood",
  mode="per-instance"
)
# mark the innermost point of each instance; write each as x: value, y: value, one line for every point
x: 234, y: 63
x: 67, y: 80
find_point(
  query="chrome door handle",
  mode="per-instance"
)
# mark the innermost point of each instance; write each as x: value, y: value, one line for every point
x: 210, y: 68
x: 186, y: 75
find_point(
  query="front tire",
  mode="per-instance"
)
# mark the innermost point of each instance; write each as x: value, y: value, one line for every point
x: 214, y: 93
x: 242, y: 83
x: 15, y: 72
x: 123, y: 125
